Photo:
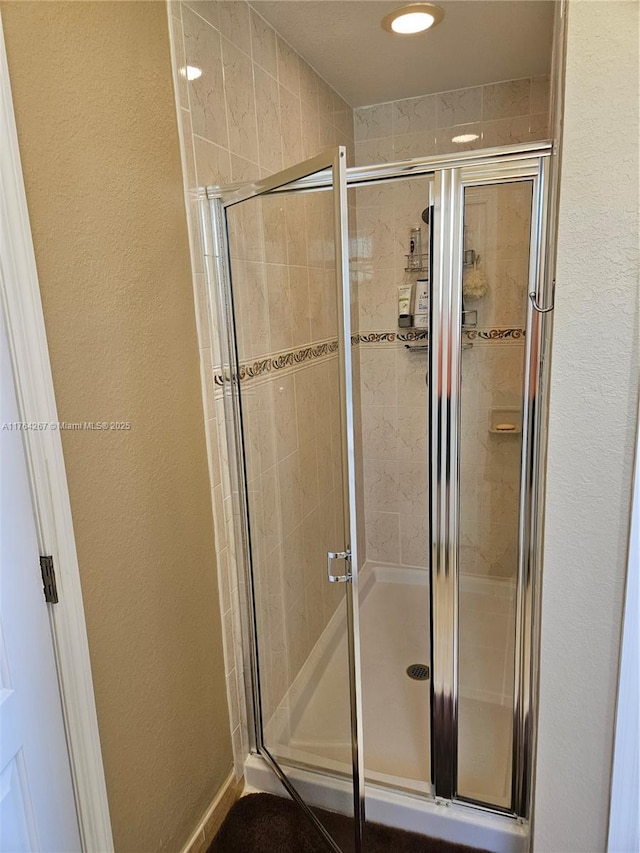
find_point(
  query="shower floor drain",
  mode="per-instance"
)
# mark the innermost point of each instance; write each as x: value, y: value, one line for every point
x: 418, y: 671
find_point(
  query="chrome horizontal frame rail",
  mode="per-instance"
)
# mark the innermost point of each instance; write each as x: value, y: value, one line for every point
x: 358, y: 175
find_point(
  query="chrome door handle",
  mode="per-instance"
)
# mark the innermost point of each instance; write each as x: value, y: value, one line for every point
x: 339, y: 555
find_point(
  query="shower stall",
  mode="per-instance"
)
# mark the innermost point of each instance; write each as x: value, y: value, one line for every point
x: 384, y: 481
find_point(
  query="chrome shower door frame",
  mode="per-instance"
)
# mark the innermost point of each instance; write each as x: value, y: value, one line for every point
x: 445, y: 346
x: 213, y: 204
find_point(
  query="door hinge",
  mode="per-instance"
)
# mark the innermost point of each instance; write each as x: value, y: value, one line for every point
x: 49, y: 580
x: 339, y: 555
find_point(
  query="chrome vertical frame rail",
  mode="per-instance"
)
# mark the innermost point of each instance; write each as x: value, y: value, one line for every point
x: 349, y: 484
x: 445, y: 347
x: 220, y: 311
x: 534, y: 417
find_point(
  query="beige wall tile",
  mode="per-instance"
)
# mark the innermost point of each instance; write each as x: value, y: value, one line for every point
x: 207, y: 9
x: 240, y: 100
x: 213, y: 165
x: 383, y: 537
x: 263, y: 43
x: 288, y: 67
x: 268, y: 120
x: 373, y: 122
x: 234, y: 23
x: 504, y: 100
x: 540, y: 94
x: 414, y: 114
x: 206, y: 94
x: 291, y: 122
x: 460, y: 106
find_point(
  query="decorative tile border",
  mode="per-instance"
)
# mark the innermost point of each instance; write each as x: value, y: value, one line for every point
x: 291, y: 358
x: 280, y: 362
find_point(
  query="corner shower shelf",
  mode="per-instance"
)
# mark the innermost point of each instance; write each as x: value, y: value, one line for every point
x: 417, y: 263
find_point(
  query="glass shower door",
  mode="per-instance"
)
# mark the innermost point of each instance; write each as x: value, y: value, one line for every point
x: 486, y: 367
x: 283, y: 287
x: 495, y: 284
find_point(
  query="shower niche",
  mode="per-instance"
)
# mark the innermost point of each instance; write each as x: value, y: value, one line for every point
x: 384, y: 520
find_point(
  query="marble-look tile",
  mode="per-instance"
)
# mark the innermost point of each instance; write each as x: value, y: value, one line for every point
x: 263, y: 44
x: 539, y: 128
x: 378, y: 300
x: 413, y: 479
x: 371, y: 151
x: 378, y: 372
x: 383, y: 537
x: 310, y: 127
x: 275, y: 229
x: 412, y: 433
x: 294, y: 205
x: 326, y: 100
x: 414, y: 540
x: 300, y: 310
x: 375, y: 241
x: 279, y: 307
x: 381, y: 486
x: 243, y: 169
x: 207, y: 9
x: 234, y: 23
x: 291, y: 121
x: 450, y: 140
x: 373, y: 122
x: 268, y: 120
x: 253, y: 308
x: 289, y: 478
x: 240, y: 100
x: 412, y: 378
x: 461, y: 106
x: 540, y: 94
x: 380, y: 432
x: 410, y: 145
x: 414, y: 114
x: 505, y: 100
x: 206, y: 93
x: 213, y: 165
x: 288, y: 67
x: 322, y: 304
x: 309, y: 82
x: 506, y: 131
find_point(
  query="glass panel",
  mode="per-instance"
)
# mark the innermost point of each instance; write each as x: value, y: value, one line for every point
x: 285, y: 292
x: 392, y: 449
x: 497, y: 226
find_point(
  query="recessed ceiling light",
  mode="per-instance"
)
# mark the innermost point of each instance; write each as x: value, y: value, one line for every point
x: 465, y: 137
x: 414, y: 18
x: 191, y: 72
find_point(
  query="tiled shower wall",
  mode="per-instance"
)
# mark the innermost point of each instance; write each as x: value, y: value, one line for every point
x: 257, y: 108
x: 496, y: 114
x: 393, y: 378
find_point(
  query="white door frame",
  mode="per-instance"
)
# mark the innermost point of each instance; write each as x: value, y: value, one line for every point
x: 36, y: 402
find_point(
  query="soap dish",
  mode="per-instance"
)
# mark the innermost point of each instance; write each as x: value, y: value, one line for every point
x: 505, y: 421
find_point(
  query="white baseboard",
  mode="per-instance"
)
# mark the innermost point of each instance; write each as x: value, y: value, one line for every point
x: 206, y: 830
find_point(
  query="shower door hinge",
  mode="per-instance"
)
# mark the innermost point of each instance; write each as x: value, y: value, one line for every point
x: 49, y: 580
x: 339, y: 555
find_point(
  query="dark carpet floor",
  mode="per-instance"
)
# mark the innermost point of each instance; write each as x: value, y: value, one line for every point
x: 262, y: 823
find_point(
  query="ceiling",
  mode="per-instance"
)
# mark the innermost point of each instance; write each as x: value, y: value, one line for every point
x: 479, y: 41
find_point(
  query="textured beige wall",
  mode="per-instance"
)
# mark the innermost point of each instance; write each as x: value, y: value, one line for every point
x: 98, y: 137
x: 592, y: 427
